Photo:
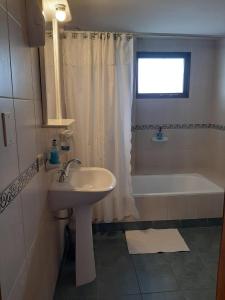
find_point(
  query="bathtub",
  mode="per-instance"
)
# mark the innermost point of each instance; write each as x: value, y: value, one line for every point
x: 177, y: 197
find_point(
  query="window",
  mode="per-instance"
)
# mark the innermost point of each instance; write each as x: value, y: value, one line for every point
x: 163, y: 74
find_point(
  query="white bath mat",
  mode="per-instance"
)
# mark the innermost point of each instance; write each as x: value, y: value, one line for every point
x: 154, y: 241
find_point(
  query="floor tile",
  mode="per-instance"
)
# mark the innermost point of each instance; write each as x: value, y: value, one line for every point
x: 190, y: 271
x: 118, y: 280
x: 200, y: 295
x: 202, y: 239
x: 66, y: 288
x: 156, y: 278
x: 210, y: 257
x: 127, y: 297
x: 104, y: 242
x: 109, y: 255
x: 149, y: 259
x: 109, y: 236
x: 164, y: 296
x: 213, y: 269
x: 72, y: 297
x: 163, y: 276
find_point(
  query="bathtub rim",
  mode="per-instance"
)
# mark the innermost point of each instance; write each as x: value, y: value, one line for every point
x: 219, y: 190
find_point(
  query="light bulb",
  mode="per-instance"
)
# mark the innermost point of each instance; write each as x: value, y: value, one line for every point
x: 60, y: 12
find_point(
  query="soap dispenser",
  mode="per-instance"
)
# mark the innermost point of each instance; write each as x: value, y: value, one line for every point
x: 54, y: 153
x: 159, y: 134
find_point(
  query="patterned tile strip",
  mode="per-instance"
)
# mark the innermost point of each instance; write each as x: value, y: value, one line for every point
x: 178, y: 126
x: 12, y: 191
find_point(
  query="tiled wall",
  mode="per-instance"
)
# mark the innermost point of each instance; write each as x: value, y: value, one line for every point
x: 30, y: 244
x: 218, y: 112
x: 185, y: 150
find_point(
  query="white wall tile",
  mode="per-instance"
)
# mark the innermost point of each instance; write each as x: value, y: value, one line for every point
x: 25, y: 128
x: 17, y: 291
x: 5, y: 74
x: 8, y: 155
x: 17, y: 10
x: 41, y: 133
x: 43, y: 181
x: 11, y: 245
x: 43, y: 262
x: 36, y: 74
x: 3, y: 3
x: 30, y: 239
x: 21, y: 63
x: 31, y: 209
x: 185, y: 151
x: 218, y: 105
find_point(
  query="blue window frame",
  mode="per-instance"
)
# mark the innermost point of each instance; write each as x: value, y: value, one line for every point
x: 163, y: 74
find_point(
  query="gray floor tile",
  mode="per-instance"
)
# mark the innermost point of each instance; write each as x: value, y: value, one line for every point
x: 210, y: 257
x: 203, y: 239
x: 200, y: 295
x: 72, y: 297
x: 70, y: 292
x: 118, y: 280
x: 190, y: 271
x: 127, y: 297
x: 164, y: 296
x: 66, y: 288
x: 149, y: 259
x: 166, y: 276
x: 117, y: 236
x: 110, y: 255
x: 156, y: 278
x: 212, y: 268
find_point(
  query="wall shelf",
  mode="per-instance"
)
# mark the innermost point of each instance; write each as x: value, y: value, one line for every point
x: 155, y: 139
x: 59, y: 123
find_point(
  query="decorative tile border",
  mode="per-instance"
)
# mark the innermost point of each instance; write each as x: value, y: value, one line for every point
x: 12, y: 191
x: 218, y: 127
x: 178, y: 126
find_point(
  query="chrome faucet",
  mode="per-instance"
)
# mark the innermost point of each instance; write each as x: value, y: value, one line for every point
x: 64, y: 172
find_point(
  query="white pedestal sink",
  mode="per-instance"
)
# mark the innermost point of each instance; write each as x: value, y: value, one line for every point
x: 83, y: 188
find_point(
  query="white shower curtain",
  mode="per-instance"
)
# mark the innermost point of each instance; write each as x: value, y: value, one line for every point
x: 98, y: 85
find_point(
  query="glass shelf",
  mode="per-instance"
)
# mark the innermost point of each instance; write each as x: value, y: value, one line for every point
x: 59, y: 123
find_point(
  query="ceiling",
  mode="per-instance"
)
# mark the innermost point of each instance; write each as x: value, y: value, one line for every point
x: 198, y: 17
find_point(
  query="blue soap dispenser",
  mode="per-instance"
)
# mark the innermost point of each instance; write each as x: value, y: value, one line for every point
x: 159, y: 134
x: 54, y: 153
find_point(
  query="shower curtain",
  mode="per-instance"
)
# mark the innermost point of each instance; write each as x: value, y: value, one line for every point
x: 97, y: 70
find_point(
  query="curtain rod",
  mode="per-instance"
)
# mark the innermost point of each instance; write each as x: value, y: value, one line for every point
x: 184, y: 36
x: 158, y: 35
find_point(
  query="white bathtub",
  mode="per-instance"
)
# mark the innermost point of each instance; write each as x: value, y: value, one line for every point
x: 176, y: 197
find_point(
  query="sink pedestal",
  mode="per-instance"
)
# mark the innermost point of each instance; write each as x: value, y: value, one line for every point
x: 85, y: 261
x: 84, y: 187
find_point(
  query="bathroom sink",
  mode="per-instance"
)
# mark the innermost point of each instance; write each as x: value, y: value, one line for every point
x: 84, y: 186
x: 80, y: 190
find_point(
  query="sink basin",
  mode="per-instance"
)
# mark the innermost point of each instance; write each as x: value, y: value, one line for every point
x: 84, y: 186
x: 80, y: 190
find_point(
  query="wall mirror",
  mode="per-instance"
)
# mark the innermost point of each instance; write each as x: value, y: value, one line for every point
x: 54, y: 111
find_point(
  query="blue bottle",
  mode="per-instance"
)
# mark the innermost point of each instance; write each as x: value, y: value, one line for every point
x: 159, y: 134
x: 54, y: 154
